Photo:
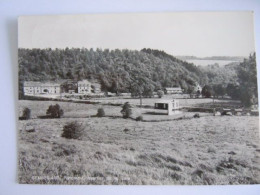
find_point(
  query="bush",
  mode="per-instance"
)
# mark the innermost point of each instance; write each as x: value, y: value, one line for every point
x: 126, y: 111
x: 139, y: 118
x: 73, y: 130
x: 26, y: 113
x: 207, y: 91
x: 126, y: 130
x: 100, y: 112
x: 196, y: 115
x: 54, y: 111
x: 160, y: 93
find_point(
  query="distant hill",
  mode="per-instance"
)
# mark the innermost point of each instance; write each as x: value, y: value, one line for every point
x: 227, y: 58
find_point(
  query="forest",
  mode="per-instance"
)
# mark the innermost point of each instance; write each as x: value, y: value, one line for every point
x: 138, y: 72
x: 116, y: 70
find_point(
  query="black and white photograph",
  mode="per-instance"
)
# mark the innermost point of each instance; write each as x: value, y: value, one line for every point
x: 165, y: 98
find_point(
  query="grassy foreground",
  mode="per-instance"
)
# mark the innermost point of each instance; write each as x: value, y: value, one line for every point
x: 208, y: 150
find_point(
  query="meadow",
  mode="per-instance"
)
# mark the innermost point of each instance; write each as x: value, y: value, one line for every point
x: 210, y: 150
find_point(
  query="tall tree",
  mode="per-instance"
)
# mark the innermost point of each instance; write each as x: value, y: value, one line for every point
x: 248, y: 81
x: 233, y: 91
x: 207, y: 91
x: 219, y: 90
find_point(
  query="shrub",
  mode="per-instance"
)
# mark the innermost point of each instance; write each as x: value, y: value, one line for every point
x: 160, y: 93
x: 54, y: 111
x: 126, y: 111
x: 126, y: 130
x: 196, y: 115
x: 26, y: 113
x: 73, y: 130
x: 207, y: 91
x: 100, y: 112
x: 139, y: 118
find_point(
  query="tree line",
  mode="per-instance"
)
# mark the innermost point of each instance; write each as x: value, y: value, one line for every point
x: 117, y: 70
x: 137, y: 72
x: 243, y: 87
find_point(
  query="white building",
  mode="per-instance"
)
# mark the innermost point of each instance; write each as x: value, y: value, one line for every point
x: 173, y: 90
x: 84, y: 87
x: 198, y: 88
x: 31, y: 88
x: 169, y: 105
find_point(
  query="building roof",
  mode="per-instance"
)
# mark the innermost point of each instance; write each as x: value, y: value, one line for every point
x: 69, y: 81
x: 83, y: 82
x: 96, y: 84
x: 165, y: 101
x: 40, y: 84
x: 173, y: 88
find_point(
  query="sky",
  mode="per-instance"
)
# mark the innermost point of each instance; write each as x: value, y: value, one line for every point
x: 198, y: 34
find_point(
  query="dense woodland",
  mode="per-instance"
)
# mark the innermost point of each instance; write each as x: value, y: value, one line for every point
x: 223, y: 75
x: 117, y: 70
x: 139, y: 72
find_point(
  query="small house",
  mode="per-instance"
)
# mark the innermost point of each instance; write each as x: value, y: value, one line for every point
x: 198, y: 88
x: 169, y: 105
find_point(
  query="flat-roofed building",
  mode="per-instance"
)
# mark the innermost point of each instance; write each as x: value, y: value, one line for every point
x: 173, y: 90
x: 170, y: 105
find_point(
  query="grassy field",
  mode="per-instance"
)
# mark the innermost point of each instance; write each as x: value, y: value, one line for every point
x: 150, y: 101
x: 193, y: 151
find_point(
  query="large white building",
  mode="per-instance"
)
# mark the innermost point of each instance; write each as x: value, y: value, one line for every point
x: 32, y: 88
x: 173, y: 90
x: 84, y: 87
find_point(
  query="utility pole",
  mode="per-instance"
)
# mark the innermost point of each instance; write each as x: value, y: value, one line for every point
x: 117, y: 83
x: 140, y: 93
x: 214, y: 109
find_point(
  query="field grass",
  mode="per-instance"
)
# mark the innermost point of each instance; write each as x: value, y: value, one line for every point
x: 81, y: 110
x: 150, y: 101
x: 193, y: 151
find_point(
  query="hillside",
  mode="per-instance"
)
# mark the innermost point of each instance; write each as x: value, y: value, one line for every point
x: 117, y: 70
x: 221, y: 74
